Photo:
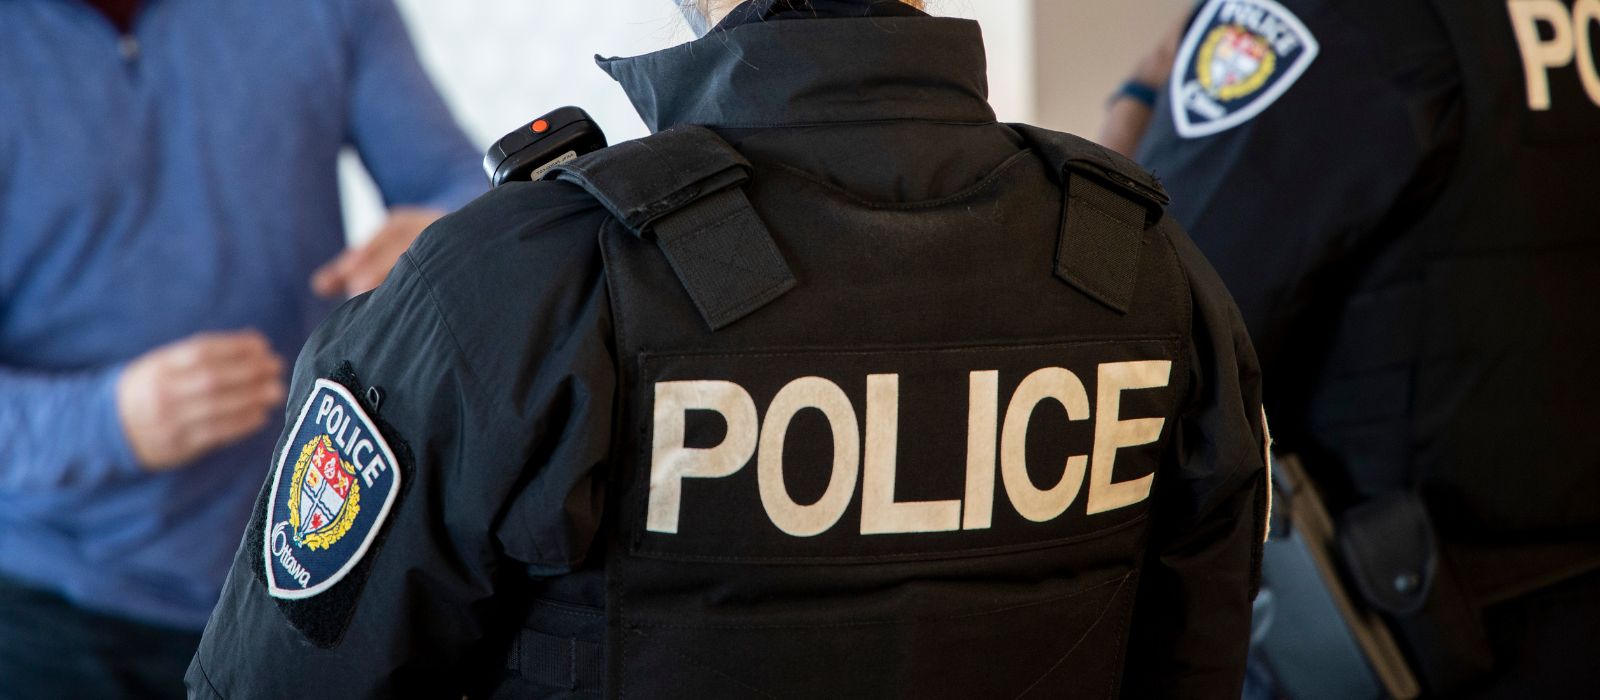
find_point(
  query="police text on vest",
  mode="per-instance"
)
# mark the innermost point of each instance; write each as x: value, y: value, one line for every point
x: 1570, y: 37
x: 872, y: 460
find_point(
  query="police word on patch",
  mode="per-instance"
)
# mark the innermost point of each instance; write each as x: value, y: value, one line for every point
x: 1238, y: 57
x: 334, y: 484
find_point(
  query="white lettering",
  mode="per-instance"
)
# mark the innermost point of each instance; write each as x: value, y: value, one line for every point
x: 876, y: 463
x: 285, y: 555
x: 362, y: 446
x: 375, y: 466
x: 1196, y: 99
x: 983, y: 405
x: 1258, y: 20
x: 1033, y: 503
x: 823, y: 395
x: 341, y: 434
x: 1111, y: 433
x: 354, y: 439
x: 1585, y: 14
x: 335, y: 417
x: 322, y: 408
x: 1539, y: 55
x: 671, y: 462
x: 880, y: 513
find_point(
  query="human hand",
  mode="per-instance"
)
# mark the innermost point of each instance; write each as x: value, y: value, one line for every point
x: 362, y: 268
x: 187, y: 398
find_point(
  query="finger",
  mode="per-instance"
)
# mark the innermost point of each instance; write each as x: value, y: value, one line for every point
x: 226, y: 429
x: 263, y: 393
x: 331, y: 279
x: 217, y: 368
x: 359, y: 256
x: 204, y: 349
x: 235, y: 374
x: 328, y: 280
x: 366, y: 280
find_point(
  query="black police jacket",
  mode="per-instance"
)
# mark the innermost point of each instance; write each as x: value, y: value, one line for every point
x: 1409, y: 226
x: 952, y: 458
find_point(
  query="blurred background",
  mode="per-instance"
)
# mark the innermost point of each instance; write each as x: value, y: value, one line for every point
x: 1409, y: 236
x: 499, y: 63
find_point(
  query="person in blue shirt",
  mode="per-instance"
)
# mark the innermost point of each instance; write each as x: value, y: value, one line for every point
x: 170, y: 230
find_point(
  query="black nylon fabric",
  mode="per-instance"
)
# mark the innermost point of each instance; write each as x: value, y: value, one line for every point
x: 765, y: 10
x: 664, y: 639
x: 1504, y: 373
x: 683, y: 188
x: 324, y: 618
x: 521, y: 342
x: 1099, y: 248
x: 1048, y: 620
x: 1414, y: 247
x: 663, y: 174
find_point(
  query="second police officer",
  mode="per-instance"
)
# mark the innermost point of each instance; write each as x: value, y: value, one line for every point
x: 1401, y: 196
x: 832, y: 387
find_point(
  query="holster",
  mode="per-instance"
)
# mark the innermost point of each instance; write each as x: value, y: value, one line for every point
x: 1392, y: 555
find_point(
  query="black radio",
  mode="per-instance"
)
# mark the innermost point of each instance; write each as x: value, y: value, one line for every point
x: 550, y: 140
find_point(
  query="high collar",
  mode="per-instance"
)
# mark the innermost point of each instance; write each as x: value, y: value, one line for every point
x: 765, y: 10
x: 807, y: 72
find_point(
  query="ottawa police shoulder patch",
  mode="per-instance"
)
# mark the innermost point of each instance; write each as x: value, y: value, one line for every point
x: 1237, y: 58
x: 334, y: 484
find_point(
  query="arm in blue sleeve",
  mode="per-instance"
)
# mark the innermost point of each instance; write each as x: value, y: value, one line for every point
x: 409, y: 142
x: 60, y: 430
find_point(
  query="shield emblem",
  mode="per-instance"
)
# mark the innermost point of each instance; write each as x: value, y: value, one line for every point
x: 1238, y: 57
x: 324, y: 492
x: 1240, y: 60
x: 335, y: 482
x: 325, y: 496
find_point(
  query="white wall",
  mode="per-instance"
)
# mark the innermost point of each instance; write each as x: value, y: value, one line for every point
x: 1008, y: 41
x: 499, y: 63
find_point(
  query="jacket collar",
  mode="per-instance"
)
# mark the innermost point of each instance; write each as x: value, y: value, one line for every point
x: 764, y: 10
x: 805, y: 72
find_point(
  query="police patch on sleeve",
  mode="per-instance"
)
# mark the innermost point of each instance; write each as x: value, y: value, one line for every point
x: 1238, y: 57
x: 333, y: 486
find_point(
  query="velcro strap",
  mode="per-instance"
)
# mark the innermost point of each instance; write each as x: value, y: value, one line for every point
x: 642, y: 180
x: 1063, y: 151
x: 558, y: 662
x: 1102, y: 231
x: 724, y: 257
x: 684, y: 188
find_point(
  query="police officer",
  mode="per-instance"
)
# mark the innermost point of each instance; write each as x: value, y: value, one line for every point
x: 855, y: 393
x: 1400, y: 195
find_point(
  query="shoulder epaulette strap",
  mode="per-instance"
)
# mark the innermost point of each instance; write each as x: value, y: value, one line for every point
x: 684, y: 189
x: 1109, y: 201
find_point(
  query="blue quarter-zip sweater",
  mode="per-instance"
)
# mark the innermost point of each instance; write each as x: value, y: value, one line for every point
x: 177, y: 179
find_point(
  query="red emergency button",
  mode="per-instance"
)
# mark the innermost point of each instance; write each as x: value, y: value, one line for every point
x: 540, y: 126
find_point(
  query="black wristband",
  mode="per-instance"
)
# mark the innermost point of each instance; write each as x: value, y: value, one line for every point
x: 1136, y: 91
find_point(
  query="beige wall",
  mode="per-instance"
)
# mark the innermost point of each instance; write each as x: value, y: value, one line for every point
x: 1086, y: 48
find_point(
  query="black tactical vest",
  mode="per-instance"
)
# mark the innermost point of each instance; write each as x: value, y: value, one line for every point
x: 1462, y: 366
x: 1465, y: 363
x: 875, y: 450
